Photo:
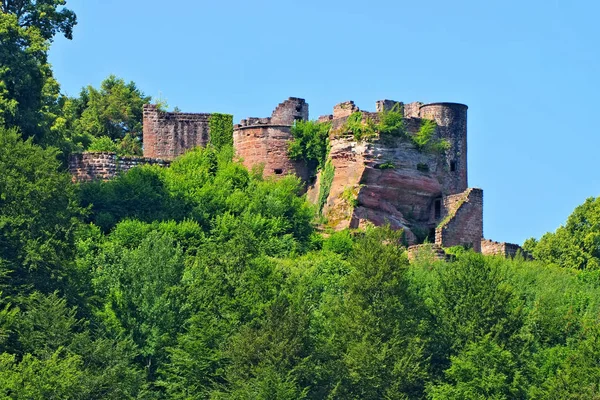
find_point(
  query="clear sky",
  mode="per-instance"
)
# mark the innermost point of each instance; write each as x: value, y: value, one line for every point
x: 529, y: 70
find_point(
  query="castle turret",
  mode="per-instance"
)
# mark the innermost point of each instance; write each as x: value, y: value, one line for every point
x: 265, y: 141
x: 451, y: 119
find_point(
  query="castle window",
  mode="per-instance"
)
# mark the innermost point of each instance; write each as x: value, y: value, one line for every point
x: 452, y: 166
x: 438, y: 208
x: 278, y: 171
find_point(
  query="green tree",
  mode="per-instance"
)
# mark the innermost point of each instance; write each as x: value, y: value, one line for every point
x: 482, y: 371
x: 55, y: 355
x: 577, y: 243
x: 141, y: 295
x: 38, y: 215
x: 115, y: 110
x: 378, y: 325
x: 28, y: 92
x: 49, y: 17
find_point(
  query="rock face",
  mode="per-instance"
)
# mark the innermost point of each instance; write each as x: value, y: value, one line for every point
x: 387, y: 180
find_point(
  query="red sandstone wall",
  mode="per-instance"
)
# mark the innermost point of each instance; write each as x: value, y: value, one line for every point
x: 104, y: 166
x: 508, y: 250
x: 267, y: 145
x: 293, y: 109
x: 464, y: 226
x: 168, y: 135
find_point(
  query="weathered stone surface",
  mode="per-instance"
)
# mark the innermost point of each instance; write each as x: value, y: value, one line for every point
x: 265, y: 141
x: 168, y: 134
x: 507, y: 250
x: 464, y: 222
x: 103, y: 166
x: 427, y: 252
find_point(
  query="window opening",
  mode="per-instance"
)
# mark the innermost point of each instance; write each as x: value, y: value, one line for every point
x: 438, y: 208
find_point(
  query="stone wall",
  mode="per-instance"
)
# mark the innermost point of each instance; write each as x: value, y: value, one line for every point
x: 463, y: 225
x: 86, y: 167
x: 168, y: 135
x: 293, y: 109
x: 267, y: 145
x: 428, y: 252
x: 508, y: 250
x: 265, y: 141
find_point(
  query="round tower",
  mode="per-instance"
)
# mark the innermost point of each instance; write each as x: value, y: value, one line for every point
x: 265, y: 141
x: 451, y: 119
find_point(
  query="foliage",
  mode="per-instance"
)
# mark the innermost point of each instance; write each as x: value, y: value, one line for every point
x: 361, y: 130
x: 326, y: 180
x: 49, y: 17
x: 128, y: 146
x: 310, y: 142
x: 350, y: 196
x: 577, y: 243
x: 424, y: 139
x: 115, y: 110
x: 28, y: 92
x: 391, y: 122
x: 38, y: 214
x: 221, y: 130
x: 103, y: 143
x: 386, y: 165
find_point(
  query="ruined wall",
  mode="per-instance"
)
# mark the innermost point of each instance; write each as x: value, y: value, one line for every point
x: 168, y: 135
x: 428, y: 252
x: 92, y: 166
x: 293, y: 109
x: 507, y: 250
x: 267, y: 145
x: 451, y: 119
x: 265, y: 141
x: 463, y: 225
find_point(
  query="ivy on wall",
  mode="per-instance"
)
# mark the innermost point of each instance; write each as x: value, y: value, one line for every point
x: 221, y: 130
x: 310, y: 142
x: 326, y: 180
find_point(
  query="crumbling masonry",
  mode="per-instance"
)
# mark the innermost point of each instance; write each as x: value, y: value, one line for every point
x: 385, y: 180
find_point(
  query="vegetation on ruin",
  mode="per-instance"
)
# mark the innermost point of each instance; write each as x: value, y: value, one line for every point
x: 327, y: 175
x: 221, y: 130
x: 391, y: 122
x: 310, y: 142
x: 206, y: 281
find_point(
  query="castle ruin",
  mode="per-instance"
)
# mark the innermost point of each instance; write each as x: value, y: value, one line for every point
x: 385, y: 180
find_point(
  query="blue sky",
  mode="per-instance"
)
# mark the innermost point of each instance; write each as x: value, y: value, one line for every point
x: 528, y: 70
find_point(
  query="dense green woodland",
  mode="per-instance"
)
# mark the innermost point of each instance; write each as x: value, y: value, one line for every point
x: 207, y: 281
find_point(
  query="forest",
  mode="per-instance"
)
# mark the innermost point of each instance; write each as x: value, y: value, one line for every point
x: 206, y: 280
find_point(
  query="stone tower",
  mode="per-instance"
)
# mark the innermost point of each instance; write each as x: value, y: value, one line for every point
x: 265, y: 141
x: 451, y: 119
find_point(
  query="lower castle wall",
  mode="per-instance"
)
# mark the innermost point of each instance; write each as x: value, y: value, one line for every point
x: 103, y: 166
x: 509, y: 250
x: 464, y: 223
